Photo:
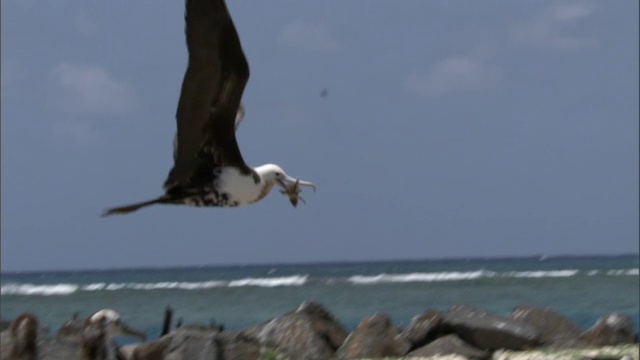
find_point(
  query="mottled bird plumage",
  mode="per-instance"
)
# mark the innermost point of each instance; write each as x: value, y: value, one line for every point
x: 208, y: 166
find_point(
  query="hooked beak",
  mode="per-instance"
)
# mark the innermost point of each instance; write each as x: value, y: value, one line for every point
x: 288, y: 180
x: 122, y: 329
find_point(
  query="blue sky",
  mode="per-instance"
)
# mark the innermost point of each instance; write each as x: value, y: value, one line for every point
x: 451, y: 129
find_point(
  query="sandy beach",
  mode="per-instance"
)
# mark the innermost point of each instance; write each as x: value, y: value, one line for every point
x: 627, y: 352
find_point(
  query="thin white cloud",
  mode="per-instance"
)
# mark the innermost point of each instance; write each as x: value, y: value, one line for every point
x: 453, y: 75
x: 90, y: 89
x: 84, y: 93
x: 556, y: 27
x: 309, y: 36
x: 85, y: 25
x: 571, y: 11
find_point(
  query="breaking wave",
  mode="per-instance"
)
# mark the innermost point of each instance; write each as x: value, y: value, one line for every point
x: 295, y: 280
x: 472, y: 275
x: 30, y: 289
x: 62, y: 289
x: 418, y: 277
x: 67, y: 289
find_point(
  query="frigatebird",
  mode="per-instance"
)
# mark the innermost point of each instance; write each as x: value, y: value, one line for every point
x: 208, y: 167
x: 89, y: 339
x: 21, y: 340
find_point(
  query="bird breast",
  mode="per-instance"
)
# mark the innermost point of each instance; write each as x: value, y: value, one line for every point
x: 265, y: 190
x: 241, y: 188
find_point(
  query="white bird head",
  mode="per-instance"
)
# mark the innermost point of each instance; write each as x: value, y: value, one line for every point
x: 110, y: 319
x: 273, y: 174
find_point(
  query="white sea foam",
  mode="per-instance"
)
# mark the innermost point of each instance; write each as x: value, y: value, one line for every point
x: 113, y: 287
x: 31, y: 289
x: 175, y: 285
x: 93, y: 287
x: 295, y: 280
x: 472, y: 275
x: 67, y: 289
x: 153, y: 286
x: 624, y: 272
x: 542, y: 274
x: 419, y: 277
x: 62, y: 289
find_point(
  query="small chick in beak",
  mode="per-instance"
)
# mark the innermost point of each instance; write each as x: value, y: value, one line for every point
x: 293, y: 191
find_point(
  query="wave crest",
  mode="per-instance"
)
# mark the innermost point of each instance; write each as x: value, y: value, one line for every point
x: 63, y: 289
x: 30, y: 289
x: 417, y: 277
x: 68, y: 289
x: 295, y: 280
x: 473, y: 275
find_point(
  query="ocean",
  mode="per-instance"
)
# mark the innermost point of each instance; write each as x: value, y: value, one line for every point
x: 581, y: 288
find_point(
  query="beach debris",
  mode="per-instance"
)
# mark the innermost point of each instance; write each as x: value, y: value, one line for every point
x: 166, y: 324
x: 213, y: 324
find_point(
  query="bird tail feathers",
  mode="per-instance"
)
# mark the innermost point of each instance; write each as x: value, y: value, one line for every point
x: 132, y: 207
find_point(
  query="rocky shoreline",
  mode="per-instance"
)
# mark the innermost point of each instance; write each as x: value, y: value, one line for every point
x: 311, y: 332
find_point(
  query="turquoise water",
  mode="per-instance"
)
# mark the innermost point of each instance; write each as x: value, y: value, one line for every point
x: 581, y: 288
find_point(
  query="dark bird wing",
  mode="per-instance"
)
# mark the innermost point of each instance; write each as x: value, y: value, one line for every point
x: 210, y: 98
x: 239, y: 117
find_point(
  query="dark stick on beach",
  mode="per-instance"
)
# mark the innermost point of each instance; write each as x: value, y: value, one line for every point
x: 213, y: 324
x: 166, y: 325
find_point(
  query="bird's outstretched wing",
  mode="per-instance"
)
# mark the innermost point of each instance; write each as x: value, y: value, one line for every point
x: 210, y: 98
x: 239, y: 117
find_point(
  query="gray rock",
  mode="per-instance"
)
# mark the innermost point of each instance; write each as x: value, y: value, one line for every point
x: 195, y: 343
x: 324, y: 324
x: 84, y: 341
x: 556, y: 331
x: 127, y: 351
x: 610, y: 329
x: 238, y: 346
x: 374, y: 337
x: 310, y: 333
x: 450, y: 345
x: 489, y: 331
x: 423, y: 328
x: 79, y: 339
x: 182, y: 344
x: 21, y: 339
x: 150, y: 350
